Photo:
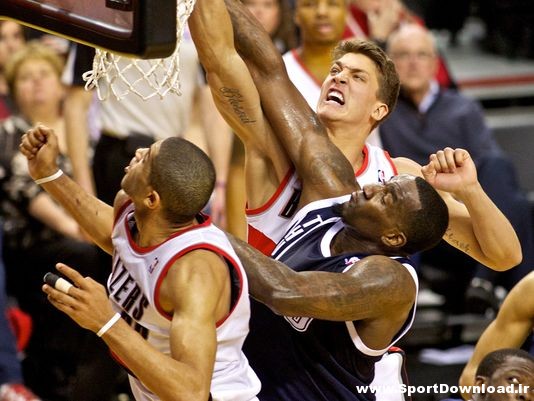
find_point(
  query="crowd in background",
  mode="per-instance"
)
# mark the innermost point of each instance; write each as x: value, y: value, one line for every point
x: 44, y: 352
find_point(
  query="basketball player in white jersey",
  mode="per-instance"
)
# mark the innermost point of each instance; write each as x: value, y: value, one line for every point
x: 179, y: 306
x: 359, y: 92
x: 321, y: 26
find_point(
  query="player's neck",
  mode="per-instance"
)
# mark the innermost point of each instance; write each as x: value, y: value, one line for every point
x: 351, y: 145
x: 154, y: 230
x: 346, y: 241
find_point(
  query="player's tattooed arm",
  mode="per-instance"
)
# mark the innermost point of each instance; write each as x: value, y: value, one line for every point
x: 235, y: 99
x: 374, y: 287
x: 451, y: 239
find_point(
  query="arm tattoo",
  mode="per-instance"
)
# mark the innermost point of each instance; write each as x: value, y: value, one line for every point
x: 235, y: 99
x: 463, y: 246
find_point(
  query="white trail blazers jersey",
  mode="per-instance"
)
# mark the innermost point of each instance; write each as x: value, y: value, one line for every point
x: 268, y: 224
x: 134, y: 285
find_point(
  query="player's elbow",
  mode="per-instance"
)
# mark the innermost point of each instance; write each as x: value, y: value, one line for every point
x: 507, y: 260
x: 514, y: 259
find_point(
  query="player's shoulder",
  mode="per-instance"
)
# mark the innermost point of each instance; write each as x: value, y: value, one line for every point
x: 200, y: 268
x: 399, y: 269
x: 196, y: 259
x: 406, y: 166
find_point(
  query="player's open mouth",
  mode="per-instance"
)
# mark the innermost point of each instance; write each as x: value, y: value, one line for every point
x: 335, y: 96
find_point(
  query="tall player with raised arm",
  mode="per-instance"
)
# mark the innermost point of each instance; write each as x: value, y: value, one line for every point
x: 352, y: 102
x: 477, y: 227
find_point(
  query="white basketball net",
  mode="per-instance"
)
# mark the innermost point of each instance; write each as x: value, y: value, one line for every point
x: 119, y: 76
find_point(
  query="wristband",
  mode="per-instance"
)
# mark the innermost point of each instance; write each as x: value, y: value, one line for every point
x: 52, y: 177
x: 108, y: 325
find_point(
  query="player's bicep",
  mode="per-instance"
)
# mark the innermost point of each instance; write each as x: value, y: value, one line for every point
x: 319, y: 295
x: 193, y: 341
x: 197, y: 287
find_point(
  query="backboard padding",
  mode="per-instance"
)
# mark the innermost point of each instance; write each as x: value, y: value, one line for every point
x: 140, y: 28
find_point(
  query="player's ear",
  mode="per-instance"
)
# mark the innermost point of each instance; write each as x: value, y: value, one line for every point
x: 380, y: 111
x: 479, y: 382
x: 152, y: 200
x: 394, y: 238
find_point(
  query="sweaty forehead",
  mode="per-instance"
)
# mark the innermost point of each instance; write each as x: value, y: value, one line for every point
x: 405, y: 189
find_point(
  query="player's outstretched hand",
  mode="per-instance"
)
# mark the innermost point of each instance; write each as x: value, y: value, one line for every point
x: 40, y: 146
x: 451, y: 170
x: 86, y: 301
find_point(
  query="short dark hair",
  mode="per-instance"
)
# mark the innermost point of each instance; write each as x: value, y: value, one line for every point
x: 425, y: 227
x: 184, y: 177
x: 492, y: 361
x: 388, y: 79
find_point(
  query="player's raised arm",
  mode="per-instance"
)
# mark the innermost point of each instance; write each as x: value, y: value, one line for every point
x: 40, y: 147
x: 476, y: 225
x: 238, y: 101
x: 318, y: 161
x: 230, y: 82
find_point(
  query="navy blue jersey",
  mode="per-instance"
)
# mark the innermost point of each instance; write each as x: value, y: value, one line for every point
x: 304, y: 359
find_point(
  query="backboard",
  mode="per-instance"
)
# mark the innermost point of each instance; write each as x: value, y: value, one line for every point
x: 140, y: 28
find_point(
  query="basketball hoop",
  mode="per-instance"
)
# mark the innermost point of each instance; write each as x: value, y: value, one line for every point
x: 119, y: 76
